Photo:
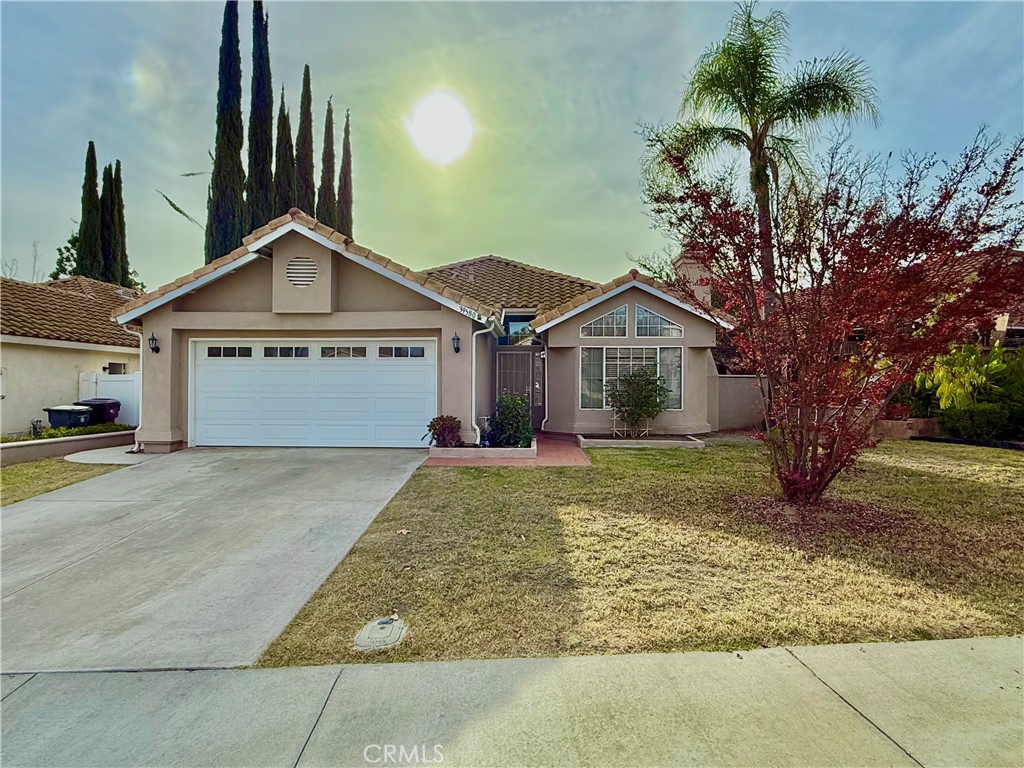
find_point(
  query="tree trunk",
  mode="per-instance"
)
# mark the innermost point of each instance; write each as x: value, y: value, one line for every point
x: 762, y: 198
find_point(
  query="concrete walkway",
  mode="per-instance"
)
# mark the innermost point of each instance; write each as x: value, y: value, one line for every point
x: 118, y: 454
x: 941, y: 703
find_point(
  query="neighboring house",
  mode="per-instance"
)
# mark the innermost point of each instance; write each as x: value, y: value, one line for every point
x: 301, y: 337
x: 51, y: 332
x: 1009, y: 328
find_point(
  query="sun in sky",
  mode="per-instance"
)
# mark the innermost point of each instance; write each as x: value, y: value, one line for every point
x: 441, y: 127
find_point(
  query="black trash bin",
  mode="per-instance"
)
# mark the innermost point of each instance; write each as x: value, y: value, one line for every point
x: 68, y: 415
x: 104, y: 409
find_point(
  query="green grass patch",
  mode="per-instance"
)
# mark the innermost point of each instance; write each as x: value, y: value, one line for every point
x: 23, y: 481
x: 659, y: 550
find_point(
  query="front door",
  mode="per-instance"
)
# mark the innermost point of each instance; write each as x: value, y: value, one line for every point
x: 521, y: 372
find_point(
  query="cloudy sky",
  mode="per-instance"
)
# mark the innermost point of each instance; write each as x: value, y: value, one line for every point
x: 555, y: 91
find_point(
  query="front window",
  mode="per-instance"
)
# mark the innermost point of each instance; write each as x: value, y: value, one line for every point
x: 612, y: 325
x: 517, y: 330
x: 599, y: 366
x: 651, y: 324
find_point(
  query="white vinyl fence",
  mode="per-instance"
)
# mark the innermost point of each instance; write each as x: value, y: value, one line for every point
x: 124, y: 387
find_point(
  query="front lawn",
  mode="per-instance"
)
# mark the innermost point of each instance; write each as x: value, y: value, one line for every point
x: 23, y: 481
x: 662, y: 550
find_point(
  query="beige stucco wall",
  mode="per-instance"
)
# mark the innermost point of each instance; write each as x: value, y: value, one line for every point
x: 395, y: 313
x: 36, y: 377
x: 317, y: 297
x: 248, y: 290
x: 486, y: 386
x: 563, y: 344
x: 739, y: 402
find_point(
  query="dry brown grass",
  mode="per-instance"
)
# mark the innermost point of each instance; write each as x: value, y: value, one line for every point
x: 23, y: 481
x: 678, y: 550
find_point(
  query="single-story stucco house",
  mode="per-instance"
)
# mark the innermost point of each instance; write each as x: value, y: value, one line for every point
x: 52, y: 332
x: 301, y: 337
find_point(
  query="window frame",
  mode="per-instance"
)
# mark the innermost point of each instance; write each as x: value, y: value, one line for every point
x: 636, y: 324
x: 604, y: 372
x: 625, y: 327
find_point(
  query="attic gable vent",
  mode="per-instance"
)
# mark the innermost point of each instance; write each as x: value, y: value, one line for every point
x: 301, y: 271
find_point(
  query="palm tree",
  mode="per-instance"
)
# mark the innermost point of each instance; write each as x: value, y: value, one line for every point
x: 739, y: 97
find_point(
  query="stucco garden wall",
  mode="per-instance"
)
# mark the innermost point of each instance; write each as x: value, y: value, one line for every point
x: 739, y: 402
x: 36, y: 377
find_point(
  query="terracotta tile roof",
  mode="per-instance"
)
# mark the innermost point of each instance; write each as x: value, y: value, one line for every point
x: 601, y: 290
x: 426, y: 280
x: 73, y: 309
x: 507, y: 283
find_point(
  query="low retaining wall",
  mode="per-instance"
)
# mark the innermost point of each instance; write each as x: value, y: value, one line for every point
x: 904, y: 429
x: 640, y: 442
x: 485, y: 453
x: 30, y: 450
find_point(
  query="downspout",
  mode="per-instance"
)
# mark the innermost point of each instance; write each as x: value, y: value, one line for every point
x: 137, y: 448
x: 544, y: 356
x: 472, y: 395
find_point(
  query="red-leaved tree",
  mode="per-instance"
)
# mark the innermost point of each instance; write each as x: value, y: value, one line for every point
x: 876, y: 271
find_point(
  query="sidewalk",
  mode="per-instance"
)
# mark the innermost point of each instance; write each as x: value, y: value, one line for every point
x: 952, y: 702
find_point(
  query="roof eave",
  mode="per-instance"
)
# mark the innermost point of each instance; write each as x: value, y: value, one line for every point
x: 634, y: 283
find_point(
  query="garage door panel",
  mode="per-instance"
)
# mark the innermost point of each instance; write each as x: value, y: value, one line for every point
x: 345, y: 402
x: 215, y: 406
x: 354, y: 435
x: 220, y: 379
x: 355, y: 406
x: 286, y: 378
x: 403, y: 379
x: 401, y: 406
x: 347, y: 379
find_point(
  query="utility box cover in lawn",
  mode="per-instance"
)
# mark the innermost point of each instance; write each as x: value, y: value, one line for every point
x: 380, y: 635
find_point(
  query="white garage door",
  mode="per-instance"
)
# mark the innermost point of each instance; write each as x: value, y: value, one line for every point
x: 353, y: 393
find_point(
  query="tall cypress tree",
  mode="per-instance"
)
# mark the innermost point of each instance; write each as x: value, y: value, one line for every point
x: 327, y: 200
x: 345, y: 185
x: 284, y: 163
x: 110, y: 245
x: 226, y: 220
x: 90, y: 253
x: 259, y: 184
x: 122, y: 236
x: 305, y: 186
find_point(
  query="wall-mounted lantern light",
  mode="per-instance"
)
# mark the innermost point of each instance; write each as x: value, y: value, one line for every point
x: 456, y: 343
x: 153, y: 345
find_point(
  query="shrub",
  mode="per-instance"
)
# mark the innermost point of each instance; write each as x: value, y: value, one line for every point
x: 92, y: 429
x: 445, y: 431
x: 512, y: 426
x: 637, y: 397
x: 976, y: 421
x: 51, y: 432
x: 921, y: 401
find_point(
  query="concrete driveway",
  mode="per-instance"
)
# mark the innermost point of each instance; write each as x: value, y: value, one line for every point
x: 196, y: 559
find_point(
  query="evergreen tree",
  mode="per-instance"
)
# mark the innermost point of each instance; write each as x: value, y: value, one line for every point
x: 259, y: 190
x: 305, y: 186
x: 327, y: 200
x: 284, y: 164
x: 226, y: 221
x: 90, y: 254
x: 122, y: 236
x: 345, y: 185
x: 110, y: 245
